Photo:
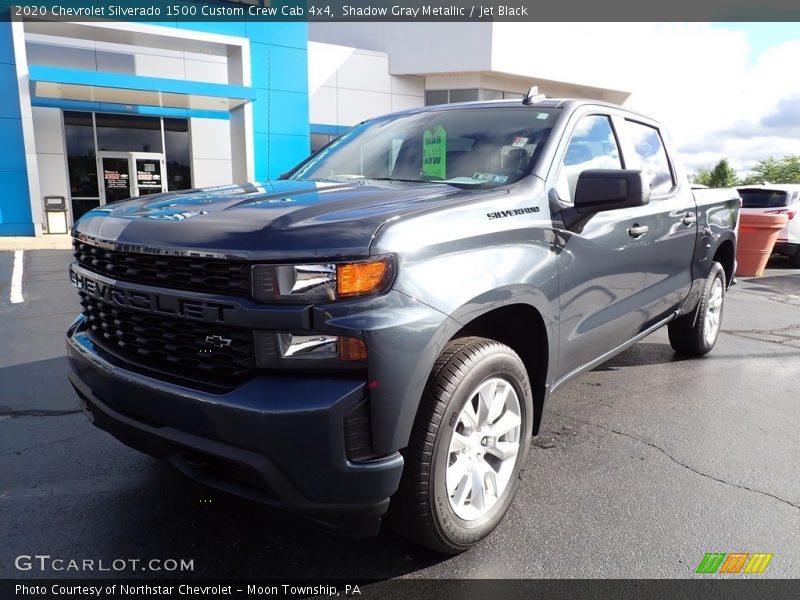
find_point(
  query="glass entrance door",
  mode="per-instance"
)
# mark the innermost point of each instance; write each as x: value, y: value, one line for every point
x: 149, y: 173
x: 130, y: 174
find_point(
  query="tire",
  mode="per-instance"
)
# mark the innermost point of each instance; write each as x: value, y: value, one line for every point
x: 696, y: 333
x: 442, y: 447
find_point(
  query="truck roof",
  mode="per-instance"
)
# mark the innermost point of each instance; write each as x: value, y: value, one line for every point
x: 560, y: 103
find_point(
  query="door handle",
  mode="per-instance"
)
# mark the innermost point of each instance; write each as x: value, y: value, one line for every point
x: 689, y: 219
x: 637, y: 230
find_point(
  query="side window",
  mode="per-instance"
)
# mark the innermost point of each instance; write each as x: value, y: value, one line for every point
x: 649, y: 156
x: 593, y: 146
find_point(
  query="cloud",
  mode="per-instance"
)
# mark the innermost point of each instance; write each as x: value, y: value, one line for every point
x: 717, y: 96
x: 786, y: 115
x: 714, y: 92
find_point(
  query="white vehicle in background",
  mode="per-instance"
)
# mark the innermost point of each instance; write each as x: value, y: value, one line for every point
x: 777, y: 199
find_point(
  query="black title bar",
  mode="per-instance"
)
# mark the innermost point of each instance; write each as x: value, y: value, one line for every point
x: 332, y: 11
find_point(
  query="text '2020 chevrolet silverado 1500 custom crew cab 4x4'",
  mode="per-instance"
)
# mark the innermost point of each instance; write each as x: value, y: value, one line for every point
x: 387, y: 320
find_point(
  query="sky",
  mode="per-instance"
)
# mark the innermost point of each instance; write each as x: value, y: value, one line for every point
x: 723, y: 89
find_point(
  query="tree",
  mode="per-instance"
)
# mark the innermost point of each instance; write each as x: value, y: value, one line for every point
x: 702, y: 177
x: 721, y: 175
x: 771, y: 170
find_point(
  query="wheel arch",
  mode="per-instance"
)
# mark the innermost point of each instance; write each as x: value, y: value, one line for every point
x: 522, y: 328
x: 725, y: 254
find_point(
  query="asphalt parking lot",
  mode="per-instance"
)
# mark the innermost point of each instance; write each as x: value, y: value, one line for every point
x: 642, y: 467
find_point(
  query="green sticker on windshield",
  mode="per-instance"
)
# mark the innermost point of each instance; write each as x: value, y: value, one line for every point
x: 434, y: 153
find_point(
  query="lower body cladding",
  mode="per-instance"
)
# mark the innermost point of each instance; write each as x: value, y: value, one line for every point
x: 279, y: 440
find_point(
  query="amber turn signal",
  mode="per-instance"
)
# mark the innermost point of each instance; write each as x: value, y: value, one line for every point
x: 352, y: 349
x: 356, y: 279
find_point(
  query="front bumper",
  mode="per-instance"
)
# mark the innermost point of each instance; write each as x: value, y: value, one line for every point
x: 275, y: 439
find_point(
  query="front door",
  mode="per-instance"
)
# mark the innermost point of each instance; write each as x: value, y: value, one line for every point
x: 130, y: 174
x: 601, y: 258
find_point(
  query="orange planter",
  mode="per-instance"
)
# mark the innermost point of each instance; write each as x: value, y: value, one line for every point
x: 757, y: 235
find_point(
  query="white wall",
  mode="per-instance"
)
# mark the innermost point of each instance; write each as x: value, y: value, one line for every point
x: 564, y: 59
x: 94, y: 55
x: 211, y: 152
x: 48, y: 131
x: 347, y: 85
x: 415, y: 47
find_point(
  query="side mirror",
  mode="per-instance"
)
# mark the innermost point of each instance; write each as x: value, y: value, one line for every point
x: 607, y: 189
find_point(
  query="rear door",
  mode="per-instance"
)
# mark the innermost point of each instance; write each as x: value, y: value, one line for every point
x: 670, y: 216
x: 601, y: 261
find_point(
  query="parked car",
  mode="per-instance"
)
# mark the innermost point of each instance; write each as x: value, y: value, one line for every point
x: 777, y: 199
x: 381, y: 328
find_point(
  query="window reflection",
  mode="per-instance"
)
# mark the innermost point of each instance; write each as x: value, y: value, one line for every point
x: 128, y: 133
x: 650, y: 157
x: 81, y: 162
x: 593, y: 146
x: 176, y: 149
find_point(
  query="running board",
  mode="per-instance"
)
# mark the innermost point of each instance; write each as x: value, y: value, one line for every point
x: 611, y: 353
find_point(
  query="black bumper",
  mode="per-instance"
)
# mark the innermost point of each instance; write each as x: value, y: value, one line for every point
x: 786, y: 248
x: 276, y: 440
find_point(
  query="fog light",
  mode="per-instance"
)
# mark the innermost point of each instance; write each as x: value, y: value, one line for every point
x: 276, y: 350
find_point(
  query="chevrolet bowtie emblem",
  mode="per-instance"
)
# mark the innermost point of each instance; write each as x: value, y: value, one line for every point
x: 218, y: 341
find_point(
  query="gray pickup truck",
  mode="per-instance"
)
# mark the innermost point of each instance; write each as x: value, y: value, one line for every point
x: 380, y: 328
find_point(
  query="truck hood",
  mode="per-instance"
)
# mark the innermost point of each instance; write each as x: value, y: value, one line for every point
x: 276, y: 219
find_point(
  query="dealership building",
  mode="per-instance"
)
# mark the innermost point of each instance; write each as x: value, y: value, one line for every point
x: 106, y: 110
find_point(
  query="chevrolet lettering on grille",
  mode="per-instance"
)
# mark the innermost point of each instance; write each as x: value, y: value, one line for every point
x: 169, y: 305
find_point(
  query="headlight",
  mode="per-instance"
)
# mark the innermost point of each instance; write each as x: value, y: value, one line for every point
x: 323, y: 281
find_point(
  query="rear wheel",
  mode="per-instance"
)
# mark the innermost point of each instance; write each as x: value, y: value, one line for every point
x: 468, y: 446
x: 695, y: 334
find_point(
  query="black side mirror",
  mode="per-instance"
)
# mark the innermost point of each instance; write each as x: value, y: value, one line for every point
x: 607, y: 189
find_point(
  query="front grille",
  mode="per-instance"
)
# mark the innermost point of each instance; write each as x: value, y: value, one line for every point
x: 176, y: 346
x: 198, y: 274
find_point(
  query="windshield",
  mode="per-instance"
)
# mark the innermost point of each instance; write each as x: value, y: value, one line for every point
x: 469, y: 146
x: 762, y: 198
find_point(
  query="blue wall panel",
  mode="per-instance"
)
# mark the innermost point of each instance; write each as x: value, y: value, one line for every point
x: 279, y: 64
x: 9, y: 99
x: 15, y: 206
x: 279, y: 73
x: 289, y: 79
x: 293, y: 35
x: 288, y: 113
x: 286, y: 151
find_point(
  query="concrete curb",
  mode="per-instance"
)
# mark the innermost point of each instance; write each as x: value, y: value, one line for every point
x: 42, y: 242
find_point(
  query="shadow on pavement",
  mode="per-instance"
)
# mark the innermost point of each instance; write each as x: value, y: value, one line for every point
x: 642, y: 354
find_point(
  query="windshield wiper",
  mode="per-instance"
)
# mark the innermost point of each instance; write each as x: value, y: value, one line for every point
x: 399, y: 179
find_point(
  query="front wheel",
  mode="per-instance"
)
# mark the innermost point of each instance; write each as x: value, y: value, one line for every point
x: 468, y: 447
x: 696, y: 333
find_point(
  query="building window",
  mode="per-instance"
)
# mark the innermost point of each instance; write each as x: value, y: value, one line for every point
x: 463, y: 95
x: 176, y: 153
x: 88, y: 133
x: 467, y: 95
x: 81, y: 162
x: 320, y: 140
x: 128, y: 133
x: 436, y: 97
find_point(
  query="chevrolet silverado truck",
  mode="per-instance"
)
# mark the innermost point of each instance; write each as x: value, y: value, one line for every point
x: 379, y: 330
